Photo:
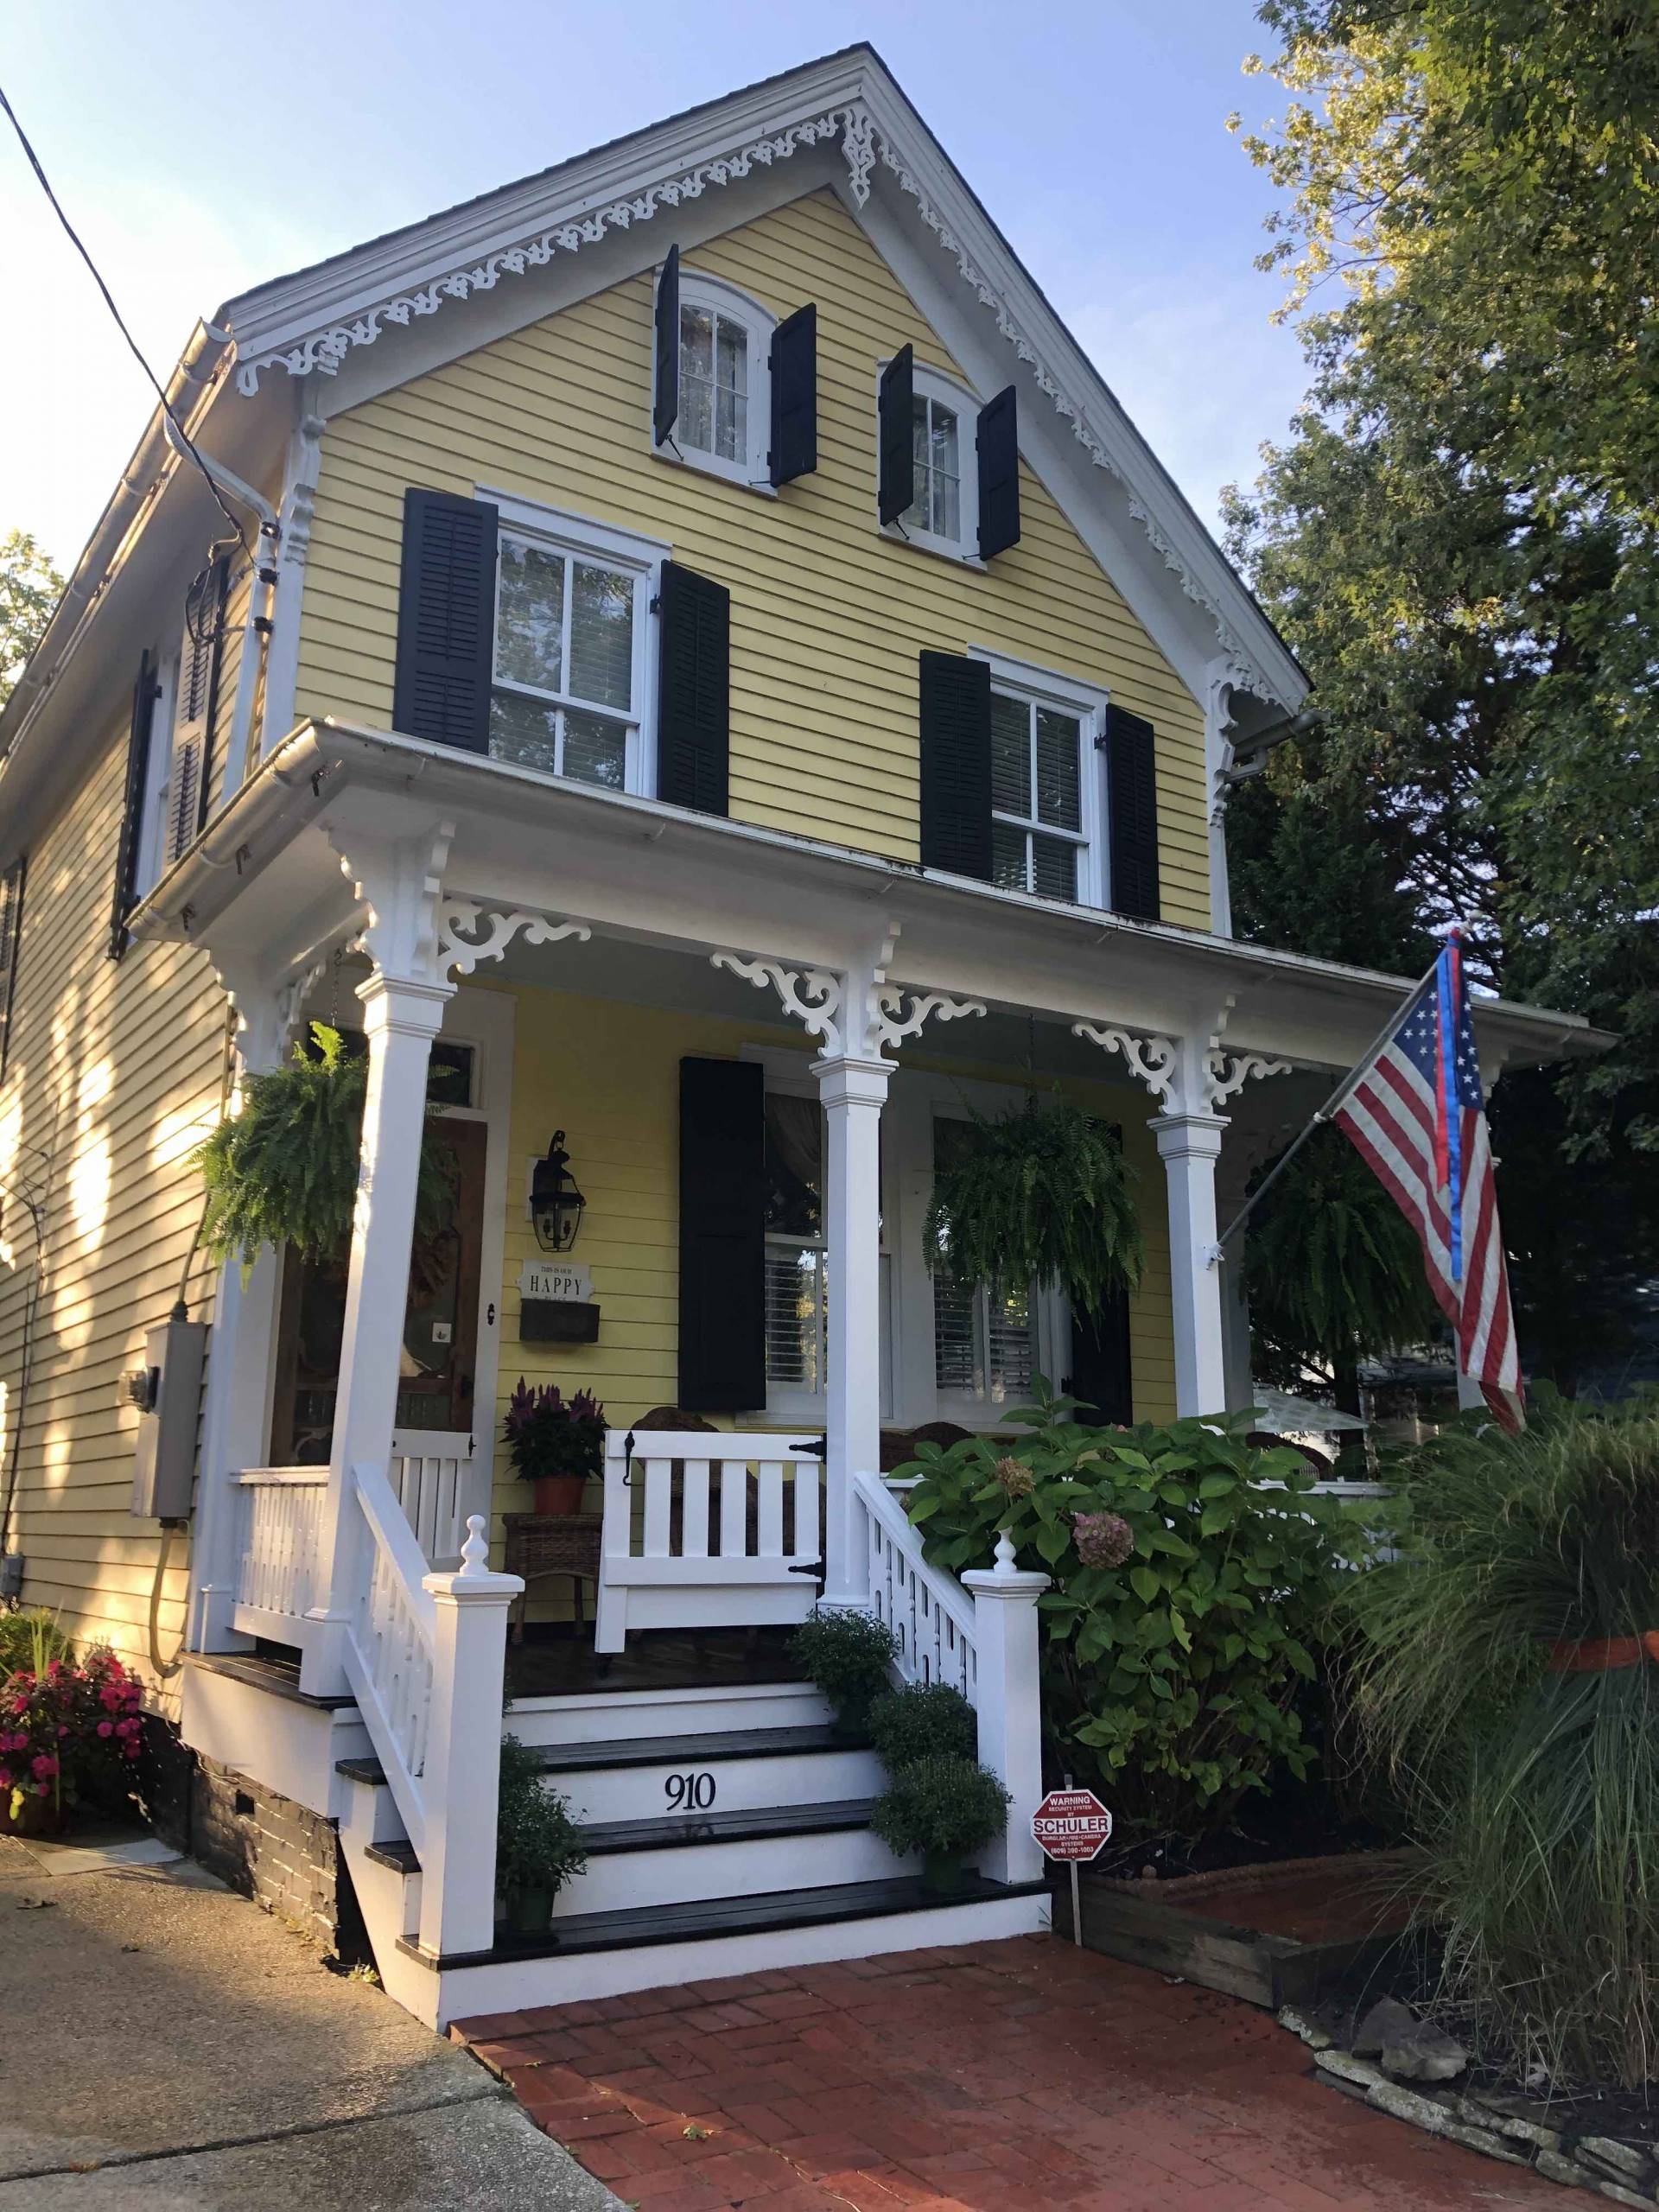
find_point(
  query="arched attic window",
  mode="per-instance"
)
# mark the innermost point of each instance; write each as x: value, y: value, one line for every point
x: 721, y: 420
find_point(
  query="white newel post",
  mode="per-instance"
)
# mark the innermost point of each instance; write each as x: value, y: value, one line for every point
x: 1190, y: 1145
x: 1010, y: 1703
x: 853, y: 1092
x: 462, y: 1771
x: 400, y: 1016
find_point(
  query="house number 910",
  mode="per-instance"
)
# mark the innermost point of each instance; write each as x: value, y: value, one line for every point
x: 690, y: 1793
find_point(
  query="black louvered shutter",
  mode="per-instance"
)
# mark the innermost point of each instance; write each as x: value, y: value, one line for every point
x: 144, y: 693
x: 191, y: 767
x: 794, y: 398
x: 1132, y: 789
x: 722, y: 1237
x: 895, y: 438
x: 1100, y: 1375
x: 956, y: 732
x: 693, y: 691
x: 445, y: 619
x: 665, y: 402
x: 997, y: 445
x: 12, y: 929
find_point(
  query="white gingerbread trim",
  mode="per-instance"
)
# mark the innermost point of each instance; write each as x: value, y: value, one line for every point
x: 1226, y: 1073
x: 811, y: 996
x: 462, y: 954
x: 1155, y: 1061
x: 324, y: 349
x: 891, y: 1021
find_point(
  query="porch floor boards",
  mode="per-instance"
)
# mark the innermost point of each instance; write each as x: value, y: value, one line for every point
x: 656, y: 1659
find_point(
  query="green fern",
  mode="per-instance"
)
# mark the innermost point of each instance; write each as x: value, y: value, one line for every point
x: 1043, y: 1192
x: 284, y: 1171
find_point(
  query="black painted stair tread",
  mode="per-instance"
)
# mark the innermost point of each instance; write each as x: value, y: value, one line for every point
x: 281, y: 1677
x: 703, y: 1918
x: 739, y: 1825
x: 401, y: 1857
x: 705, y: 1749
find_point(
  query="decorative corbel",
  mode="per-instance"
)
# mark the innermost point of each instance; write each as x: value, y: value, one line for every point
x: 488, y: 933
x: 897, y: 1011
x: 1226, y: 1073
x: 811, y: 996
x: 1152, y: 1060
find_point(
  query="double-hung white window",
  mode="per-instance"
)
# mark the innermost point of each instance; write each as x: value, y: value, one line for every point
x: 984, y: 1334
x: 569, y: 690
x: 1047, y: 783
x: 725, y: 419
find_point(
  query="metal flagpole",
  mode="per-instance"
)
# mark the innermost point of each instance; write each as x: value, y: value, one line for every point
x: 1355, y: 1074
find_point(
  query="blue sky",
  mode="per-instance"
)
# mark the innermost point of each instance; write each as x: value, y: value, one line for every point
x: 199, y: 152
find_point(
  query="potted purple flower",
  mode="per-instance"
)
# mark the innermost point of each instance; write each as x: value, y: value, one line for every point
x: 556, y: 1443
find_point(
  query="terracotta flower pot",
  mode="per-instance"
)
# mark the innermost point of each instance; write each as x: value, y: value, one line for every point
x: 560, y: 1494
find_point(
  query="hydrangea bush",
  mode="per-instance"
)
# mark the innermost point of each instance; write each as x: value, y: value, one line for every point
x: 1188, y: 1569
x: 67, y: 1732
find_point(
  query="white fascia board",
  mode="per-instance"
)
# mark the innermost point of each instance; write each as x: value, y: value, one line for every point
x: 637, y: 867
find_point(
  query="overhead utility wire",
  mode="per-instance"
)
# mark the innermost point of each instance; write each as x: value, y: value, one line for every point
x: 74, y: 236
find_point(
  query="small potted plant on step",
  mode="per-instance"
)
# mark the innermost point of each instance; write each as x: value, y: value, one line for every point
x: 947, y: 1808
x: 556, y: 1443
x: 848, y: 1655
x: 537, y: 1844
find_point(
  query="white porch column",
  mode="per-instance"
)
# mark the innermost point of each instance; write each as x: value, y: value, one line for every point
x: 400, y: 1016
x: 853, y: 1092
x: 1189, y: 1145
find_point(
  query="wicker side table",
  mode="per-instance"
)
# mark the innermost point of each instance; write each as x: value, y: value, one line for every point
x: 553, y: 1543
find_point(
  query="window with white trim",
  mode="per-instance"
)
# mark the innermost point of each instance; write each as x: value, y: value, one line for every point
x: 568, y: 689
x: 1047, y: 786
x: 944, y: 513
x: 724, y: 423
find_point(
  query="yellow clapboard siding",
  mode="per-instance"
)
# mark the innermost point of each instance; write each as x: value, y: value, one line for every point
x: 828, y: 615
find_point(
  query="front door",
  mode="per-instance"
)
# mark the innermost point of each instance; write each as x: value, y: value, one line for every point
x: 435, y: 1414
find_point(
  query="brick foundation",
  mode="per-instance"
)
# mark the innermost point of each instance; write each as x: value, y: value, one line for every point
x: 284, y: 1857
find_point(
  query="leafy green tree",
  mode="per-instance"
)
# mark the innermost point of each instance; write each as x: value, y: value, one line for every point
x: 29, y: 588
x: 1460, y: 537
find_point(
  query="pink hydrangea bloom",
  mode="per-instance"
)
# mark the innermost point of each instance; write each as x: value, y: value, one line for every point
x: 1102, y: 1539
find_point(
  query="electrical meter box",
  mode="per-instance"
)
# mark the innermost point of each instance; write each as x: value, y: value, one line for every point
x: 166, y: 1390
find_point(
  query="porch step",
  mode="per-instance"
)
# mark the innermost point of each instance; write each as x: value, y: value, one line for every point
x: 261, y: 1670
x: 740, y: 1827
x: 716, y: 1919
x: 661, y: 1751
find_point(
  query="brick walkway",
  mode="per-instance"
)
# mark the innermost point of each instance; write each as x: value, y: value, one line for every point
x: 992, y: 2078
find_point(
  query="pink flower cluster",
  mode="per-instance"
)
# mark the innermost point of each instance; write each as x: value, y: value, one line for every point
x: 60, y: 1726
x: 1102, y: 1539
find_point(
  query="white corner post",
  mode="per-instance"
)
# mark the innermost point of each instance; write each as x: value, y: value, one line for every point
x: 1006, y: 1644
x: 463, y: 1772
x: 853, y: 1092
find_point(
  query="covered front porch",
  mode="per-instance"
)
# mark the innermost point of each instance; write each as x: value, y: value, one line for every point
x: 694, y: 1004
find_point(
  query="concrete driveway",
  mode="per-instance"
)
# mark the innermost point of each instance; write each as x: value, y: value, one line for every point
x: 166, y: 2044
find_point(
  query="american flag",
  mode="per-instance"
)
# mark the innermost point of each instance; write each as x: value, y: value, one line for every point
x: 1416, y: 1111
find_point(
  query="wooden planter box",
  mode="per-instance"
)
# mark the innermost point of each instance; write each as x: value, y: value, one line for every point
x: 1197, y: 1926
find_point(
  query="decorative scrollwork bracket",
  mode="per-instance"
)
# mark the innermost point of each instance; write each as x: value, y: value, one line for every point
x: 1226, y: 1073
x: 1152, y: 1060
x: 489, y: 934
x: 811, y: 996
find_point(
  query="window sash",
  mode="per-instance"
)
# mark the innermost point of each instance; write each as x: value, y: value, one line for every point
x: 982, y: 1351
x: 563, y: 701
x: 937, y: 486
x: 728, y: 441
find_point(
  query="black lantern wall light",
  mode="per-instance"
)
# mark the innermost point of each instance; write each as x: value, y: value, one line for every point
x: 556, y: 1205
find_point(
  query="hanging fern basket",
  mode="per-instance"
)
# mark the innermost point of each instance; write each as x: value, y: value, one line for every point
x: 1042, y: 1194
x: 284, y: 1171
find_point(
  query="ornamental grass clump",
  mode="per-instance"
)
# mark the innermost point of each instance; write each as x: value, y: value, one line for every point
x: 1043, y: 1192
x: 1190, y: 1572
x: 1507, y: 1681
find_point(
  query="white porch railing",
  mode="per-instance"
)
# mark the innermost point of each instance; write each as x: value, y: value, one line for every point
x: 706, y: 1530
x: 978, y: 1635
x: 280, y: 1514
x: 390, y: 1647
x: 431, y: 1481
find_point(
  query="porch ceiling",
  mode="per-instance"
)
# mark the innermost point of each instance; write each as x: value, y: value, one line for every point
x: 270, y: 885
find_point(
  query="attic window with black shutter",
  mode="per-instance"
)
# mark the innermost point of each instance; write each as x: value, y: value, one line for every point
x: 949, y: 468
x: 711, y: 405
x: 569, y: 690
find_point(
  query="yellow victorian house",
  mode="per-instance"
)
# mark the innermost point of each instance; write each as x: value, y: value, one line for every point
x: 704, y: 664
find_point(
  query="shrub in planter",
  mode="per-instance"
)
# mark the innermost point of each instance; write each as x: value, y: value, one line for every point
x: 923, y: 1721
x: 945, y: 1807
x: 68, y: 1734
x: 538, y: 1844
x: 1191, y: 1570
x: 555, y: 1442
x: 1505, y: 1663
x: 848, y: 1656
